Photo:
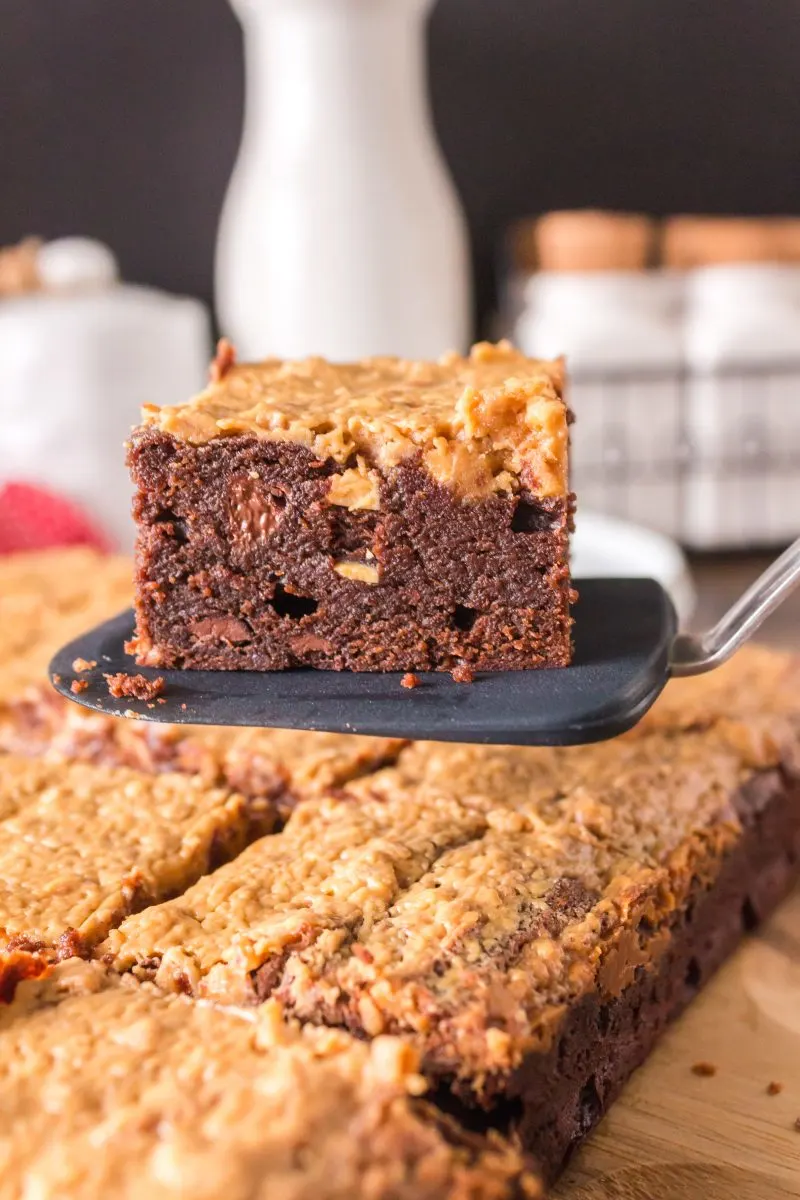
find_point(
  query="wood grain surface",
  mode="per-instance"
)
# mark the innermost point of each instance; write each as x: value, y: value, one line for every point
x: 676, y: 1135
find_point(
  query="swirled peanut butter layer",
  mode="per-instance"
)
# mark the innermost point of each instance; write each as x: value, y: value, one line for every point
x: 480, y: 423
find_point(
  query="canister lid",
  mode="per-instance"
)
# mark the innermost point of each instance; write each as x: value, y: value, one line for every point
x: 701, y: 241
x: 594, y: 240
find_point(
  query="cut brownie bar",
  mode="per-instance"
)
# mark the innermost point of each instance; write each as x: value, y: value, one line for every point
x: 530, y: 939
x: 110, y: 1090
x: 48, y: 598
x: 82, y: 847
x: 335, y: 866
x: 338, y: 870
x: 384, y: 515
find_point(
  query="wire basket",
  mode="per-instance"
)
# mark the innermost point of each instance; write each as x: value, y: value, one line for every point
x: 711, y: 458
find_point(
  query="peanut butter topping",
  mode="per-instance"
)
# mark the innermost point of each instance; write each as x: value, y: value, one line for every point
x: 110, y: 1090
x: 281, y: 892
x: 81, y: 847
x: 357, y: 489
x: 480, y: 423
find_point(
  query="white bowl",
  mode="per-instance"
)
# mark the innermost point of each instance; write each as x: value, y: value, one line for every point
x: 607, y: 547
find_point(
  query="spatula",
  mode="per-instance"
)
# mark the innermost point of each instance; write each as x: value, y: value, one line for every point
x: 626, y: 648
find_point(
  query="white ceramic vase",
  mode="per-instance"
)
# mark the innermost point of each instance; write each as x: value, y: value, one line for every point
x: 341, y: 233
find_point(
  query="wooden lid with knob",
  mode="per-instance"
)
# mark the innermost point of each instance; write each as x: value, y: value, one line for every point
x: 591, y: 240
x: 697, y: 241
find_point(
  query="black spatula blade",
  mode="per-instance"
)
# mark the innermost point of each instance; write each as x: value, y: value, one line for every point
x: 623, y: 632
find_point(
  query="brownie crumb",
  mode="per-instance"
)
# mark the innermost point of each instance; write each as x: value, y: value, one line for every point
x: 410, y: 680
x: 774, y: 1088
x: 71, y: 945
x: 83, y: 664
x: 463, y: 674
x: 78, y: 685
x: 222, y: 361
x: 56, y: 679
x: 135, y: 686
x: 705, y: 1069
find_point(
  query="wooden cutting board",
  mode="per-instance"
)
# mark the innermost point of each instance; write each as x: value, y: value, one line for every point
x: 676, y: 1135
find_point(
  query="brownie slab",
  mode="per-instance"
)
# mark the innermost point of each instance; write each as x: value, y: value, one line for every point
x: 82, y: 847
x: 110, y: 1090
x: 528, y: 920
x: 378, y: 516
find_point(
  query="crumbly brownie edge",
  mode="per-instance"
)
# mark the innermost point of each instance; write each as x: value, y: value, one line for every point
x: 42, y: 723
x: 242, y: 563
x: 554, y: 1100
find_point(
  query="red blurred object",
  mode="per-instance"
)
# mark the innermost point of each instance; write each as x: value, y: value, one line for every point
x: 31, y: 518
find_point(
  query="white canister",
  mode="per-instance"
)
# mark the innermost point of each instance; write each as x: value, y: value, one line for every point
x: 621, y: 334
x: 341, y: 233
x: 743, y: 405
x: 77, y: 366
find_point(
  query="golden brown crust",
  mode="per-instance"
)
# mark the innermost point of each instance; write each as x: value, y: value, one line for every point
x: 336, y: 866
x: 480, y: 423
x: 109, y: 1089
x: 81, y: 846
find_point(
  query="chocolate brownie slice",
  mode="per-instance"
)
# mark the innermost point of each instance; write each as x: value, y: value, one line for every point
x: 383, y: 515
x: 111, y: 1090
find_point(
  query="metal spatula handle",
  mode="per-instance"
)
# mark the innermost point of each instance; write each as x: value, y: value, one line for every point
x: 692, y: 654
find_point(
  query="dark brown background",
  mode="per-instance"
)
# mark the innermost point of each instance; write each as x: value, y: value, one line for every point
x: 121, y: 118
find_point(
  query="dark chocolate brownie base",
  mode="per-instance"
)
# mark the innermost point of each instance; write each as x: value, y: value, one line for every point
x: 237, y: 546
x: 553, y: 1101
